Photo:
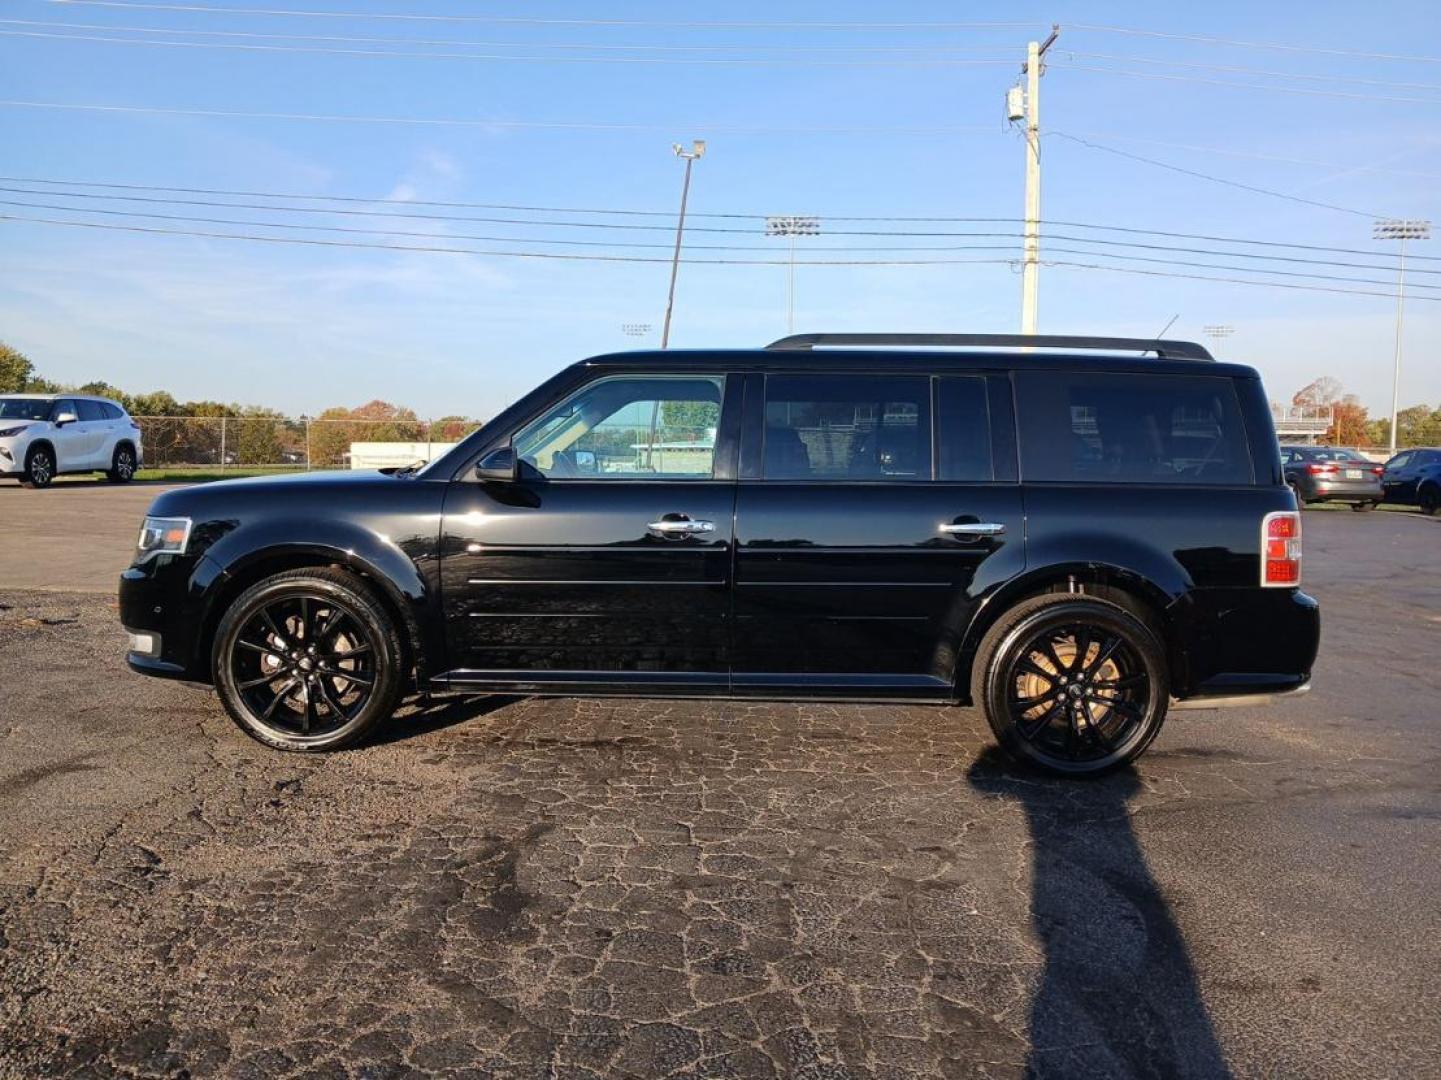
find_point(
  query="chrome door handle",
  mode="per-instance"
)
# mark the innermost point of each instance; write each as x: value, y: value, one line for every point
x: 974, y: 528
x: 681, y: 527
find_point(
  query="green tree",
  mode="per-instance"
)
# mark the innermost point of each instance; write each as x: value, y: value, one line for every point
x: 16, y: 370
x: 258, y: 434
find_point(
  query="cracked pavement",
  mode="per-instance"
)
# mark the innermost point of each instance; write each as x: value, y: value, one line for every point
x: 585, y: 888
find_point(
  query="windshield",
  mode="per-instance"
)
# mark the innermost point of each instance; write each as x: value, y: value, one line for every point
x: 14, y: 408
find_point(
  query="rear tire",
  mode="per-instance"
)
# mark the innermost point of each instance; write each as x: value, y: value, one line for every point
x: 1429, y: 499
x: 1296, y: 491
x: 122, y: 465
x: 1362, y: 507
x: 39, y: 468
x: 1072, y: 684
x: 308, y: 660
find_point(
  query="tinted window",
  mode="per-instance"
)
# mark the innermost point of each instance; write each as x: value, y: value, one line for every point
x: 847, y: 427
x: 650, y: 427
x: 24, y: 409
x: 964, y: 429
x: 112, y: 412
x: 65, y: 405
x: 1131, y: 428
x: 90, y: 410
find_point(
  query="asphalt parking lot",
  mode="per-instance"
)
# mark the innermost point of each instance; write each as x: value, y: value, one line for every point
x: 531, y: 888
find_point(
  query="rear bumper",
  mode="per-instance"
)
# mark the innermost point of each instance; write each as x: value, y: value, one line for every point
x: 1345, y: 489
x: 1242, y: 700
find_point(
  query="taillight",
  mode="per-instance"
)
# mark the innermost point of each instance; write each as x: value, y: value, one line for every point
x: 1377, y: 470
x: 1318, y: 470
x: 1281, y: 549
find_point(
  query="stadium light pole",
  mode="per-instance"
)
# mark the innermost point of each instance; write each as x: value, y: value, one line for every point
x: 1218, y: 332
x: 791, y: 227
x: 1401, y: 229
x: 690, y: 157
x: 636, y: 329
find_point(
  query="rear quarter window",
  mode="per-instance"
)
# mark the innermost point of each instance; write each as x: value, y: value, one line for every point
x: 1131, y: 429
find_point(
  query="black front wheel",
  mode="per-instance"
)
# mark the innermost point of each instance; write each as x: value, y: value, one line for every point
x: 1362, y: 507
x: 308, y: 660
x: 39, y: 468
x: 1073, y: 684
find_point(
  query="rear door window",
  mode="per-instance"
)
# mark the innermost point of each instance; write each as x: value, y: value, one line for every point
x: 1131, y: 429
x: 91, y: 410
x: 964, y: 429
x: 863, y: 428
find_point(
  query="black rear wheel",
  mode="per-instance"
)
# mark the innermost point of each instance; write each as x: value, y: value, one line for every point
x: 122, y: 466
x: 1073, y: 684
x: 39, y: 468
x: 1362, y: 507
x: 1429, y: 499
x: 308, y: 660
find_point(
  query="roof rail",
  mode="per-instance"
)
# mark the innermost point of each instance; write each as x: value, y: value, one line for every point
x: 1164, y: 349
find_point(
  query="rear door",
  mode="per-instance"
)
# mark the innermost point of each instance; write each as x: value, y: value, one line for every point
x: 606, y: 563
x: 863, y: 543
x: 95, y: 427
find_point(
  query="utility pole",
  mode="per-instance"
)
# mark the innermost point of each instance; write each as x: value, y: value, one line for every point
x: 697, y: 150
x: 792, y: 227
x: 1026, y: 104
x: 1401, y: 229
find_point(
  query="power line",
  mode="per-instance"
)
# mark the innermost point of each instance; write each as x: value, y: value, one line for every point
x: 498, y: 124
x: 648, y: 259
x: 754, y: 247
x: 1247, y: 86
x: 493, y: 57
x: 667, y: 214
x: 1275, y: 46
x: 1215, y: 179
x: 1238, y: 70
x: 574, y: 46
x: 534, y: 21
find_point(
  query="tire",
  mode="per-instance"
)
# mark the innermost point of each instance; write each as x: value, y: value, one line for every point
x: 122, y: 465
x: 1362, y: 507
x: 39, y: 467
x: 324, y: 695
x: 1429, y: 500
x: 1296, y: 491
x: 1066, y: 709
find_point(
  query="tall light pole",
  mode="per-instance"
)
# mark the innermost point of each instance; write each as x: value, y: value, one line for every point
x: 636, y: 329
x: 792, y: 227
x: 690, y: 156
x: 1026, y: 105
x: 1401, y: 229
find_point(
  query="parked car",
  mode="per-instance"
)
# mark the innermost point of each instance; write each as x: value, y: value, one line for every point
x: 1332, y: 474
x: 1069, y: 540
x: 1413, y: 477
x: 45, y: 435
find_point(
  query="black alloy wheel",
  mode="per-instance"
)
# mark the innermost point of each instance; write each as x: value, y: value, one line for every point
x: 1429, y: 499
x: 39, y: 468
x: 308, y: 660
x: 122, y: 468
x: 1073, y: 684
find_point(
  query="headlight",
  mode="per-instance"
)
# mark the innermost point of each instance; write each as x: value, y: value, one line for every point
x: 11, y: 431
x: 159, y: 535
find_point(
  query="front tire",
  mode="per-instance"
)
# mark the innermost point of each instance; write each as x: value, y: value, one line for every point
x: 308, y: 660
x: 1072, y: 684
x: 39, y: 468
x: 1429, y: 499
x: 122, y: 466
x: 1362, y: 507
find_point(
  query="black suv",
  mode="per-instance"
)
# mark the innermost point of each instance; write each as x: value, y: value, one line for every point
x: 1070, y: 537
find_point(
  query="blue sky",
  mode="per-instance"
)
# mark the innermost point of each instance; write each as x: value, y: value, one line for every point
x: 305, y: 327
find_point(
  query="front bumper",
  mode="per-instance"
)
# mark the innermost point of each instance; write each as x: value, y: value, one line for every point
x: 12, y: 459
x: 161, y: 610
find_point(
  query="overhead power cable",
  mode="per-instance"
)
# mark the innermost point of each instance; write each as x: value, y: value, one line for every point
x: 503, y: 57
x: 503, y: 124
x: 1307, y: 91
x: 661, y: 259
x: 811, y: 250
x: 1275, y: 46
x: 1214, y: 179
x: 669, y: 215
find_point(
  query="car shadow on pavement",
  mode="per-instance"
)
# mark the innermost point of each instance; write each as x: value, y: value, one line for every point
x: 437, y: 714
x: 1118, y: 995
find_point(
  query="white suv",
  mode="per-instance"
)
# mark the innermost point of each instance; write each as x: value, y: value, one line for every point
x: 44, y: 435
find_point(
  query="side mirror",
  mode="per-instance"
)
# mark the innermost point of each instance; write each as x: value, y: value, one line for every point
x: 61, y: 419
x: 499, y: 464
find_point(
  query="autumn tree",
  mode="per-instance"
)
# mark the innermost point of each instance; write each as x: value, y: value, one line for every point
x: 16, y: 370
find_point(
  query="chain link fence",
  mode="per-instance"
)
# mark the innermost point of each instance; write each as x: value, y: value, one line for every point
x: 254, y: 442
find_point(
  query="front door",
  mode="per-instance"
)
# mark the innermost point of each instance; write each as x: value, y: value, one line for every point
x: 606, y: 562
x: 72, y: 441
x: 862, y: 547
